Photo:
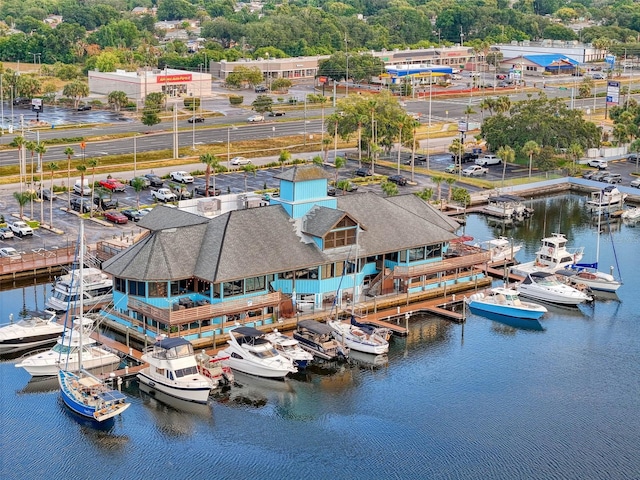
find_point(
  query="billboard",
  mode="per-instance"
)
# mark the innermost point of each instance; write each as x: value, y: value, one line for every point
x: 613, y: 93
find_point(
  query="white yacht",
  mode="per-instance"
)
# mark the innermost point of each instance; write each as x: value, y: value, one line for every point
x: 546, y: 287
x: 358, y: 339
x: 606, y: 199
x: 316, y: 338
x: 97, y: 288
x: 66, y: 352
x: 249, y: 352
x: 290, y: 348
x: 552, y: 255
x: 507, y: 206
x: 39, y: 328
x: 501, y: 249
x: 173, y: 370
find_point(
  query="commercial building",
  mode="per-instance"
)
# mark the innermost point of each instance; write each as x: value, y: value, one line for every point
x: 576, y: 51
x: 137, y: 85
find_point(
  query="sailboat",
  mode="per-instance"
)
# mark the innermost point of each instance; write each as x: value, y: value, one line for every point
x: 587, y: 273
x: 84, y: 394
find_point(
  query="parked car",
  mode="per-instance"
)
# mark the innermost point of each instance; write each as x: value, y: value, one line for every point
x: 181, y: 176
x: 598, y: 163
x: 112, y: 185
x: 331, y: 191
x: 83, y: 107
x: 347, y: 187
x: 613, y: 178
x: 475, y: 171
x: 146, y: 183
x: 213, y: 192
x: 10, y: 252
x: 452, y: 168
x: 20, y: 228
x: 5, y: 232
x: 599, y: 176
x: 154, y: 180
x: 196, y: 120
x: 105, y: 203
x: 276, y: 113
x: 466, y: 157
x: 362, y: 172
x: 633, y: 157
x: 45, y: 194
x: 164, y: 195
x: 261, y: 88
x: 82, y: 205
x: 181, y: 192
x: 599, y: 76
x: 503, y: 84
x: 84, y: 189
x: 488, y: 159
x: 635, y: 183
x: 132, y: 214
x: 397, y: 179
x: 255, y: 118
x: 240, y: 161
x: 588, y: 175
x: 115, y: 217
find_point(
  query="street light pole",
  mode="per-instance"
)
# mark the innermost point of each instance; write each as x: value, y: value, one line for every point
x: 135, y: 156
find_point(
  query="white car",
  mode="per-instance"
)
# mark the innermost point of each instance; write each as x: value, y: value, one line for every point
x: 597, y: 163
x: 240, y: 161
x: 82, y: 189
x: 474, y: 171
x: 10, y: 252
x: 488, y: 160
x: 635, y: 183
x: 256, y: 118
x: 20, y: 228
x: 5, y: 232
x: 181, y: 176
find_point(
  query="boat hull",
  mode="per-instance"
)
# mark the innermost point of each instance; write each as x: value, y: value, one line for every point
x: 190, y: 394
x: 550, y: 296
x: 52, y: 366
x: 18, y: 345
x: 88, y: 411
x: 506, y: 310
x: 251, y: 368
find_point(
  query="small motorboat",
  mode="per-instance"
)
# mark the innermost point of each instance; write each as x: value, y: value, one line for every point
x: 290, y: 348
x: 249, y: 352
x: 316, y: 338
x: 593, y: 279
x: 213, y: 368
x: 39, y: 328
x: 544, y: 286
x: 501, y: 249
x: 356, y: 338
x: 173, y: 370
x: 504, y: 301
x: 631, y: 214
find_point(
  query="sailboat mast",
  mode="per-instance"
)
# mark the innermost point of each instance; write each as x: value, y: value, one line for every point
x: 80, y: 291
x: 355, y: 271
x: 600, y: 213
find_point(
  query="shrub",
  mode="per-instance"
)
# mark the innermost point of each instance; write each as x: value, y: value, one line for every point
x: 236, y: 99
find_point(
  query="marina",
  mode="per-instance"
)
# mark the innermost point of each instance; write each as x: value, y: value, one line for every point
x: 570, y: 388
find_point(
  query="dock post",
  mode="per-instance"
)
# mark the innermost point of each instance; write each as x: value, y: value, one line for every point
x: 406, y: 321
x: 127, y: 330
x: 145, y: 341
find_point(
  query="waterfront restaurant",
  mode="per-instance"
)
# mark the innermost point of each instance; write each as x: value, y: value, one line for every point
x: 194, y: 276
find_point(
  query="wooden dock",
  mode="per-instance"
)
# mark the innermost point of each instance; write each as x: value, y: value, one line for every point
x: 499, y: 273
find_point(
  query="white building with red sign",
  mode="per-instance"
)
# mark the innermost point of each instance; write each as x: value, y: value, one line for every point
x: 137, y: 85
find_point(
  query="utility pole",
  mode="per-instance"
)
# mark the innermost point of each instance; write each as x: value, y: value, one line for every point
x: 346, y: 52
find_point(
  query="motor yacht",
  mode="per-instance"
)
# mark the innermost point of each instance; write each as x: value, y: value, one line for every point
x: 606, y: 199
x: 97, y: 288
x: 356, y: 338
x: 501, y: 249
x: 504, y: 301
x: 316, y: 338
x: 173, y: 370
x: 552, y: 255
x: 39, y: 328
x: 74, y: 344
x: 249, y: 352
x: 507, y: 206
x: 290, y: 348
x: 544, y: 286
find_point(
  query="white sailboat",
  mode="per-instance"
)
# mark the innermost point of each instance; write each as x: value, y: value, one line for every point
x: 84, y: 394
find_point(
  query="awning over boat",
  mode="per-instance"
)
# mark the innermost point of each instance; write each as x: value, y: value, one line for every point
x: 168, y: 343
x: 247, y: 332
x: 315, y: 327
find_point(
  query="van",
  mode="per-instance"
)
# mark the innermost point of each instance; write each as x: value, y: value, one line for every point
x: 488, y: 160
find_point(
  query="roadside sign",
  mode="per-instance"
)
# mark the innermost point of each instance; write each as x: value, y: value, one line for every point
x: 83, y: 145
x: 613, y: 93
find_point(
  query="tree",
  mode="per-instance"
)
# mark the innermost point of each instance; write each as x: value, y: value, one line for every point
x: 285, y: 156
x: 138, y: 185
x: 390, y: 189
x: 76, y: 90
x: 28, y: 86
x: 212, y: 163
x: 52, y: 167
x: 151, y: 111
x: 262, y: 103
x: 117, y: 99
x: 22, y: 198
x: 530, y: 149
x: 281, y: 85
x: 247, y: 169
x: 437, y: 179
x: 107, y: 62
x: 507, y: 155
x: 338, y: 163
x: 450, y: 181
x: 576, y: 151
x: 69, y: 153
x: 425, y: 194
x: 361, y: 67
x: 244, y: 75
x: 93, y: 163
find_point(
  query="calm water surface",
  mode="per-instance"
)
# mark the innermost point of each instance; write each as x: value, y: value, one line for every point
x: 483, y: 400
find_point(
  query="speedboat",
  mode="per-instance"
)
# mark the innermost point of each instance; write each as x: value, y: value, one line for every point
x: 606, y: 199
x: 501, y: 249
x: 214, y: 369
x: 96, y: 288
x: 74, y: 344
x: 249, y: 352
x: 316, y: 338
x: 552, y: 255
x: 39, y: 328
x: 507, y: 206
x: 546, y: 287
x: 290, y: 348
x: 504, y: 301
x: 173, y: 370
x: 357, y: 339
x: 631, y: 214
x: 593, y: 279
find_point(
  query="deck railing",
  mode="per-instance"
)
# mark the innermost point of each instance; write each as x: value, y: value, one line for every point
x: 38, y: 259
x: 454, y: 263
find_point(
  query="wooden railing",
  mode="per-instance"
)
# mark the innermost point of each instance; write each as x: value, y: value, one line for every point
x: 40, y: 259
x: 463, y: 261
x: 188, y: 315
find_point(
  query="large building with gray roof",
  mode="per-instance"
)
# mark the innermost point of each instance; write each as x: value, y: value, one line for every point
x: 191, y: 273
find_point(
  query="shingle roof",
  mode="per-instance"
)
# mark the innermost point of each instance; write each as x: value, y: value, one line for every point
x: 163, y: 217
x: 319, y: 220
x: 425, y: 210
x: 302, y: 173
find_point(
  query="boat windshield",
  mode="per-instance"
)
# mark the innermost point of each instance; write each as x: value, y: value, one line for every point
x: 268, y: 353
x: 64, y: 297
x: 183, y: 372
x: 548, y: 281
x: 62, y: 349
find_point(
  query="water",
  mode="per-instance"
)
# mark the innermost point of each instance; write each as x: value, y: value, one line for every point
x: 483, y: 400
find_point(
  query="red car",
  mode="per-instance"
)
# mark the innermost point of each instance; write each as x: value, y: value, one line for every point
x: 113, y: 185
x: 115, y: 216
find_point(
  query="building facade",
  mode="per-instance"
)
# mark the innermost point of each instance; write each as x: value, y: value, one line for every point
x: 194, y: 276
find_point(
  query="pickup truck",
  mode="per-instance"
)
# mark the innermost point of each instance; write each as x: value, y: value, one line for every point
x: 20, y: 228
x: 181, y: 176
x: 164, y: 195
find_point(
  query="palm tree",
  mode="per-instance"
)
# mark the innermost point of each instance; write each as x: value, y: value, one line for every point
x: 339, y: 163
x: 317, y: 160
x: 530, y: 149
x: 52, y: 166
x: 390, y: 189
x: 450, y: 181
x: 93, y: 163
x: 507, y: 155
x: 138, y: 185
x: 285, y: 156
x: 212, y: 164
x: 69, y: 153
x: 19, y: 142
x: 248, y: 168
x: 31, y: 146
x: 425, y: 194
x: 437, y: 179
x: 22, y: 198
x: 576, y: 151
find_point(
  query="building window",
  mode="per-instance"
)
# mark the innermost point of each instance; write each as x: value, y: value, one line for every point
x: 234, y: 288
x: 137, y: 288
x: 255, y: 284
x: 416, y: 254
x: 158, y: 289
x: 120, y: 285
